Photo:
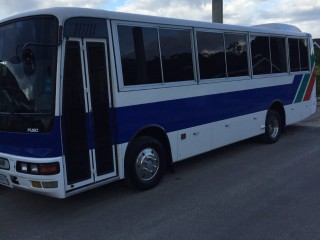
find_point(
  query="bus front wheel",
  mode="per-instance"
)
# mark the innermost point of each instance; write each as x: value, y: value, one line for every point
x: 272, y: 127
x: 145, y: 163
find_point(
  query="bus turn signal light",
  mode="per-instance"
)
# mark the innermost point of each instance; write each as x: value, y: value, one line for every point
x: 36, y: 184
x: 49, y: 169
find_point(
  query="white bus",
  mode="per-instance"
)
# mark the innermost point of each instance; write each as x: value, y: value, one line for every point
x: 88, y: 97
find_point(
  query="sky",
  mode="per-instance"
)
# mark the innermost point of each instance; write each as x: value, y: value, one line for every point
x: 303, y: 14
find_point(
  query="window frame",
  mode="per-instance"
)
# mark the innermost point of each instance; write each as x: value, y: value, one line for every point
x: 286, y: 53
x: 298, y: 38
x: 244, y: 77
x: 195, y: 58
x: 136, y: 73
x: 209, y: 80
x: 227, y: 78
x: 270, y: 35
x: 308, y: 51
x: 118, y: 63
x: 192, y: 53
x: 270, y: 57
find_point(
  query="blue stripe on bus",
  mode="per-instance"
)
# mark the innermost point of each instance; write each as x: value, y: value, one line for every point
x: 43, y: 145
x: 179, y: 114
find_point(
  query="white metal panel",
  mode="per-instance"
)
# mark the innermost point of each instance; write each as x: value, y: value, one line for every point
x: 173, y: 140
x: 253, y: 124
x: 193, y: 141
x: 227, y: 131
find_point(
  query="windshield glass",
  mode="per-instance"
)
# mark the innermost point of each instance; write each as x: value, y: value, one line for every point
x: 28, y: 52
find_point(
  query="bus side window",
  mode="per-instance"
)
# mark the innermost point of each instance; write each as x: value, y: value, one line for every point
x: 278, y: 54
x: 211, y: 55
x: 176, y: 53
x: 237, y: 54
x: 1, y: 43
x: 294, y: 55
x: 304, y: 59
x: 298, y: 51
x: 260, y: 54
x: 140, y: 55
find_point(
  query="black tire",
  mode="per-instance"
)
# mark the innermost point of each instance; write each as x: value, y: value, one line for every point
x: 273, y: 127
x: 145, y: 163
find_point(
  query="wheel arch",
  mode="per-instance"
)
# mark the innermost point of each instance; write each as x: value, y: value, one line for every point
x: 157, y: 132
x: 277, y: 105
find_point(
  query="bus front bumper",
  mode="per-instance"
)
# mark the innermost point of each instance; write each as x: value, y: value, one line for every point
x: 21, y: 172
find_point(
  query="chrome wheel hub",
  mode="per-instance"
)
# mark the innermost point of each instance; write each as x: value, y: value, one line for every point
x: 147, y: 164
x: 273, y: 127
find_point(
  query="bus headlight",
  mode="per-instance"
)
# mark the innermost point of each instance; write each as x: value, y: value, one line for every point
x: 24, y: 167
x: 4, y: 164
x: 38, y: 168
x: 34, y: 168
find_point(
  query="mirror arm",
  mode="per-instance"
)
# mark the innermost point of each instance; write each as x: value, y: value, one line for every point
x: 38, y: 44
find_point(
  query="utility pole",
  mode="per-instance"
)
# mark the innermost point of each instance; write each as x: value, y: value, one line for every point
x: 217, y: 11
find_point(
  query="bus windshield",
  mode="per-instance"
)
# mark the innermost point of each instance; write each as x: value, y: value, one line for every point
x: 28, y: 53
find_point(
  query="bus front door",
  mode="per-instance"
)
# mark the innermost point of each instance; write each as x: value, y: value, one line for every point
x: 86, y: 117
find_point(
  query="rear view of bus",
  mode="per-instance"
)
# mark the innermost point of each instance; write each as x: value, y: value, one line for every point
x: 29, y: 131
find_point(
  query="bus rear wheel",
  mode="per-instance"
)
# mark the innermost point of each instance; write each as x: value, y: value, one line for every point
x: 145, y: 163
x: 273, y: 127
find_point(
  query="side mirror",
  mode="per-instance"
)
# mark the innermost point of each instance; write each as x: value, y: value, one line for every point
x: 29, y: 63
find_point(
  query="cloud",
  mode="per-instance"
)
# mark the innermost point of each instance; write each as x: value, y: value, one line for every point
x: 9, y: 8
x: 73, y: 3
x: 12, y: 7
x: 186, y: 9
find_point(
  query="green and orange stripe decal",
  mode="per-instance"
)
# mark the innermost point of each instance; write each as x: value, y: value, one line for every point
x: 307, y: 84
x: 308, y: 93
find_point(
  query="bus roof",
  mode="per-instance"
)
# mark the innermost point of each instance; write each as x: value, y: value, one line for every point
x: 280, y: 26
x: 64, y: 13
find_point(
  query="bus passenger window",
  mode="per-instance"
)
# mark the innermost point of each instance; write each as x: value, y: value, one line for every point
x: 211, y: 55
x: 278, y: 54
x: 176, y: 55
x: 140, y: 55
x: 1, y: 43
x: 304, y: 59
x: 237, y: 54
x: 260, y: 55
x: 294, y: 55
